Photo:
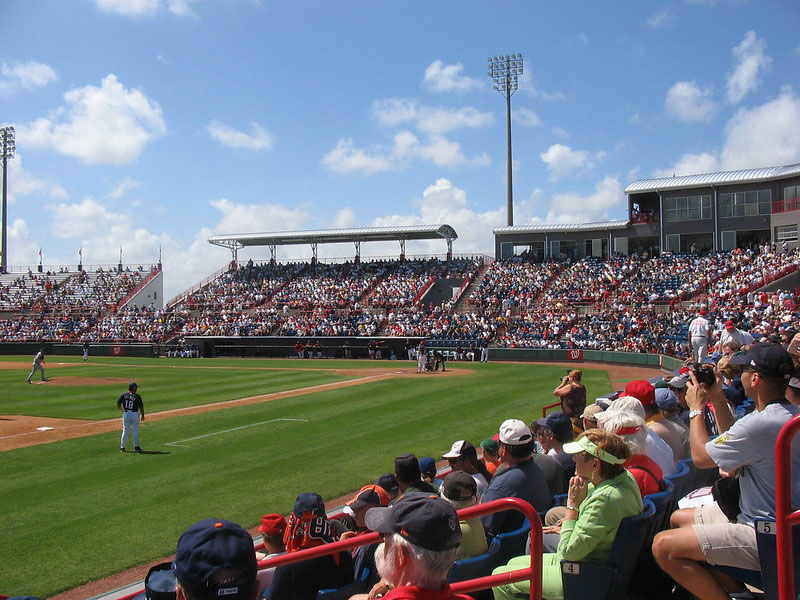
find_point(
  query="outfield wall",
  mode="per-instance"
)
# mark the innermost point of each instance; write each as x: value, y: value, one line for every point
x: 98, y: 349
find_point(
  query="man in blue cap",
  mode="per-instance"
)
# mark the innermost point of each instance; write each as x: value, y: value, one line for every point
x: 214, y: 559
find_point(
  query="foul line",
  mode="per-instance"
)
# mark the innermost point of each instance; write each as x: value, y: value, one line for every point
x: 200, y: 437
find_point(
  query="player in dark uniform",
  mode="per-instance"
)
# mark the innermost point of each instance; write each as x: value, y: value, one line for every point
x: 132, y: 407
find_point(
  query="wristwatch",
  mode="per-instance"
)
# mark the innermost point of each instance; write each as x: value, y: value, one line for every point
x: 694, y: 413
x: 570, y: 507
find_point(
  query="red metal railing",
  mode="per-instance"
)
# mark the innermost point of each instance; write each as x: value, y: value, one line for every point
x: 785, y: 515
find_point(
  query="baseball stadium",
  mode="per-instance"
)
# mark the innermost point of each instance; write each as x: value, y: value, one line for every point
x: 271, y: 379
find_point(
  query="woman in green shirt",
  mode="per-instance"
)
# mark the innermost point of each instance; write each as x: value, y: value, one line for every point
x: 600, y: 495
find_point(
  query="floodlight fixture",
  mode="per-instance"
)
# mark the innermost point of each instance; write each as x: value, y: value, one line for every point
x: 8, y: 148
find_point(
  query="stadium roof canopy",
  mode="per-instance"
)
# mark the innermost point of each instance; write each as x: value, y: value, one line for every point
x: 709, y: 179
x: 400, y: 233
x: 554, y: 227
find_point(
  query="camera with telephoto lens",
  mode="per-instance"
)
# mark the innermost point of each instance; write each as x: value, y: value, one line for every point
x: 704, y: 375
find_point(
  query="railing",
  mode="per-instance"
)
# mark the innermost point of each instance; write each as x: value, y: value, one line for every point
x: 785, y: 515
x: 533, y: 573
x: 183, y: 295
x: 645, y: 217
x: 787, y: 205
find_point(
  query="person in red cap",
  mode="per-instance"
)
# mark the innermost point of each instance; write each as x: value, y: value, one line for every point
x: 699, y: 330
x: 272, y: 528
x: 732, y: 335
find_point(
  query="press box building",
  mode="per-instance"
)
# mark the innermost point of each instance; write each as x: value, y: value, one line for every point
x: 712, y: 212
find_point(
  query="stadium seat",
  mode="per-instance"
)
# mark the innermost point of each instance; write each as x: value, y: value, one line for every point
x: 478, y: 566
x: 513, y: 543
x: 342, y: 593
x: 604, y: 581
x: 767, y: 578
x: 663, y: 502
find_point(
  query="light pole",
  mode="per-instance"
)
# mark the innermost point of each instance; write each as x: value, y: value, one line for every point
x: 7, y: 147
x: 505, y: 72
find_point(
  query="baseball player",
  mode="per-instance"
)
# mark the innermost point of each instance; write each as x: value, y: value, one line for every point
x: 38, y: 360
x: 132, y: 407
x: 85, y: 351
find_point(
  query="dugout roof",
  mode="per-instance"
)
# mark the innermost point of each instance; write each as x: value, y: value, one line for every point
x: 400, y: 233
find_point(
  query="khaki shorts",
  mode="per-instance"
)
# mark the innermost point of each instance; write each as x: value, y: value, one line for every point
x: 723, y: 542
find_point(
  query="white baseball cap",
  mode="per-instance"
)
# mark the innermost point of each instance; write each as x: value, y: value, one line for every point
x: 514, y: 432
x: 794, y: 382
x: 455, y: 450
x: 678, y: 382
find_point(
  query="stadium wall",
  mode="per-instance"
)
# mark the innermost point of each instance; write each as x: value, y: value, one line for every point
x: 99, y: 349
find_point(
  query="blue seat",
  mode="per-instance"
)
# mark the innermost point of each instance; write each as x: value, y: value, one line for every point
x: 344, y: 592
x: 602, y: 581
x: 767, y: 579
x: 513, y: 543
x: 663, y: 502
x: 680, y: 482
x: 478, y: 566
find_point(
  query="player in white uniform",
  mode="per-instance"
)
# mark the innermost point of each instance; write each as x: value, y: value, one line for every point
x: 37, y: 365
x: 132, y: 407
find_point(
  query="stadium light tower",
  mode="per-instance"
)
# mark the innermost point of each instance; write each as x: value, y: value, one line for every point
x: 505, y: 72
x: 7, y: 148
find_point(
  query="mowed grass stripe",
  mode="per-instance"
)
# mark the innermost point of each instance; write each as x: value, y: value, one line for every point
x: 99, y: 511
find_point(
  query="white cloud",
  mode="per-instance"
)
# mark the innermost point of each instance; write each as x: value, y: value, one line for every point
x: 84, y: 219
x: 690, y: 164
x: 526, y: 117
x: 345, y: 218
x: 25, y: 76
x: 664, y: 17
x: 107, y: 125
x: 563, y: 160
x: 560, y: 133
x: 257, y: 139
x: 440, y: 77
x: 125, y: 185
x: 527, y: 84
x: 146, y: 8
x: 764, y: 135
x: 572, y: 207
x: 750, y: 61
x: 24, y: 184
x: 22, y: 249
x: 443, y: 202
x: 688, y: 103
x: 406, y: 147
x: 396, y: 111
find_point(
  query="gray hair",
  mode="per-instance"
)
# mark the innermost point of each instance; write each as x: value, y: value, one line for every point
x: 614, y: 420
x: 428, y: 569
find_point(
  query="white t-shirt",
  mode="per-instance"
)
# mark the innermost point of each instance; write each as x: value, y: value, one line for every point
x: 661, y: 453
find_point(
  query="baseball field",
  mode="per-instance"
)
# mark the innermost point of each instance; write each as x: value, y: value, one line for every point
x: 224, y: 438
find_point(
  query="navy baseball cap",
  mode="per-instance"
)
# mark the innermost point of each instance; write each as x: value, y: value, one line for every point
x: 309, y: 501
x: 132, y: 385
x: 771, y: 360
x: 559, y: 424
x: 215, y: 558
x: 425, y: 520
x: 388, y: 482
x: 428, y: 466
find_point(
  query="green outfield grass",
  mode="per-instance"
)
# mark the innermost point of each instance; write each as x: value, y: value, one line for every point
x: 78, y: 510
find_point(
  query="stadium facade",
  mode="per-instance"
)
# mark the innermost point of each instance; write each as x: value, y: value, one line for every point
x: 709, y: 212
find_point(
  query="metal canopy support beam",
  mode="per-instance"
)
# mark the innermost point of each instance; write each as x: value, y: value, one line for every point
x: 272, y: 248
x: 314, y: 251
x: 449, y: 249
x: 402, y: 248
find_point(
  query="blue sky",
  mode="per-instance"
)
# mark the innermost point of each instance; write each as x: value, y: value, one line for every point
x: 147, y: 123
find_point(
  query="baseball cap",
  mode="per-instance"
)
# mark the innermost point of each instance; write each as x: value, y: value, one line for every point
x: 366, y: 497
x: 272, y: 524
x: 132, y: 385
x: 407, y: 467
x: 211, y: 546
x: 514, y: 432
x: 388, y: 482
x: 559, y: 424
x: 427, y: 466
x: 491, y: 446
x: 730, y: 324
x: 794, y: 382
x: 584, y: 444
x: 425, y: 520
x: 666, y: 398
x: 309, y: 501
x: 590, y: 412
x: 678, y: 381
x: 771, y: 360
x: 460, y: 449
x: 703, y: 312
x: 459, y: 485
x: 642, y: 390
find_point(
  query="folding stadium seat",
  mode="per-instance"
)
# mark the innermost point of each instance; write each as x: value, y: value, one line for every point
x: 663, y: 502
x: 514, y: 542
x: 680, y: 481
x: 478, y: 566
x: 603, y: 581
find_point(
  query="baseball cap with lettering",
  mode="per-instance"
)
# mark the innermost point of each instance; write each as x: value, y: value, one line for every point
x: 768, y: 359
x: 215, y: 558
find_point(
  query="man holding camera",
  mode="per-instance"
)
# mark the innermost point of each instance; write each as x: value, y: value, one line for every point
x: 704, y: 534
